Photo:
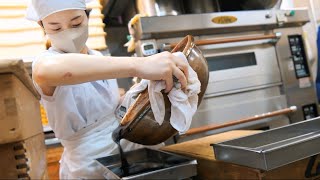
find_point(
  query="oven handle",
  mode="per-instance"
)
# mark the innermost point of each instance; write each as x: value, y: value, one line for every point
x: 241, y: 121
x: 275, y: 36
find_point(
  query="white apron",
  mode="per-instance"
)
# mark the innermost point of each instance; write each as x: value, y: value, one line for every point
x: 82, y: 117
x: 91, y: 143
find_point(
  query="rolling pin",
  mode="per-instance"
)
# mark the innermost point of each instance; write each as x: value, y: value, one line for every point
x: 241, y: 121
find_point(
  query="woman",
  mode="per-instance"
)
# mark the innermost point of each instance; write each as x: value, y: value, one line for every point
x: 80, y: 104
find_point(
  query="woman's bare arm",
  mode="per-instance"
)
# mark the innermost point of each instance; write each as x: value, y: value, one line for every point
x: 67, y: 69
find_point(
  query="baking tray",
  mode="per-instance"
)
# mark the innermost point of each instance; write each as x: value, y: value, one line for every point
x: 173, y: 166
x: 273, y: 148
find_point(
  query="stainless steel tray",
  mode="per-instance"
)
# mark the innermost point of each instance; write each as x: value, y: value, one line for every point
x: 273, y: 148
x: 172, y: 166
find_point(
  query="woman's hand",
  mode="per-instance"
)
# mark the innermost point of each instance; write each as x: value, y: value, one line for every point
x: 163, y: 66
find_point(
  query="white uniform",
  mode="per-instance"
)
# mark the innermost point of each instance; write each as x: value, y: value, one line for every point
x: 82, y: 117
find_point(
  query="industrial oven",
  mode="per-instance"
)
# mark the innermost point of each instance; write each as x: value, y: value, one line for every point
x: 257, y: 62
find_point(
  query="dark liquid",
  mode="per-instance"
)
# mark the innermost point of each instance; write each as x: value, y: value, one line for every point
x: 127, y: 169
x: 124, y: 169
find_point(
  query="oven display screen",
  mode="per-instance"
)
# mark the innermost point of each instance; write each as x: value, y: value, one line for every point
x: 148, y: 47
x: 231, y: 61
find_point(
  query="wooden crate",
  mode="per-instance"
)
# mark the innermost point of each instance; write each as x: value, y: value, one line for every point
x: 19, y: 104
x: 24, y: 159
x: 210, y: 168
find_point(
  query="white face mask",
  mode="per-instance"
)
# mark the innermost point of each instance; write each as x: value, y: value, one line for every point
x: 71, y: 40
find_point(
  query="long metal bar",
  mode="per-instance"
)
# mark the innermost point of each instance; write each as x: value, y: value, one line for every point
x: 230, y: 40
x: 241, y: 121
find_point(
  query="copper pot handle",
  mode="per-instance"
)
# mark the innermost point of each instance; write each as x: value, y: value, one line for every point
x: 241, y: 121
x: 226, y: 40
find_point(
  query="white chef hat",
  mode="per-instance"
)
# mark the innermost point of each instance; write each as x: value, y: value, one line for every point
x: 39, y: 9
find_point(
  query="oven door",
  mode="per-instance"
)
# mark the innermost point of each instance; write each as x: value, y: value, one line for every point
x: 244, y: 81
x: 237, y: 67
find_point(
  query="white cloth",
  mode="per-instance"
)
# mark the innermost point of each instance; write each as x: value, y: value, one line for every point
x: 183, y: 105
x: 82, y: 117
x: 40, y: 9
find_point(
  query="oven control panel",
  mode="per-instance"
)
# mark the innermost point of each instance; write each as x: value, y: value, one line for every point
x: 299, y: 56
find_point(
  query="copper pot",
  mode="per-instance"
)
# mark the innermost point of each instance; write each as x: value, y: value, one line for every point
x: 139, y: 125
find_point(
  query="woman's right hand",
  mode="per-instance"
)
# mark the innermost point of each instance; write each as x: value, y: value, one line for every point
x: 163, y: 66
